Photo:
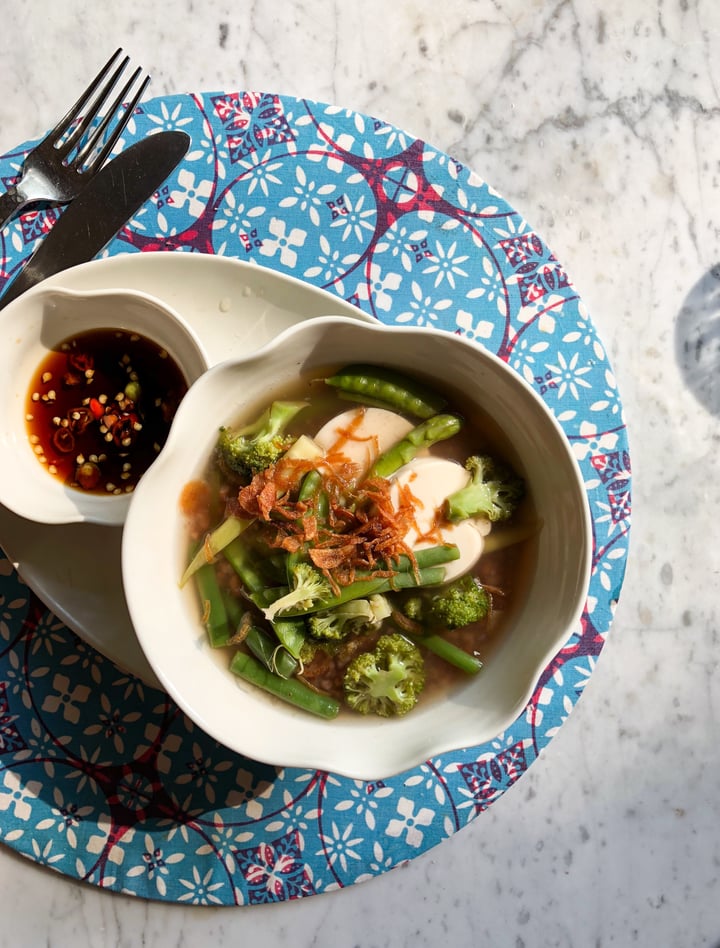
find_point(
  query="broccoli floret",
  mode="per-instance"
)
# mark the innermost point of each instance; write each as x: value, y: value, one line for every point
x: 453, y: 606
x: 308, y: 586
x: 244, y: 452
x: 413, y: 607
x: 387, y: 681
x: 308, y: 651
x: 358, y: 615
x: 494, y: 491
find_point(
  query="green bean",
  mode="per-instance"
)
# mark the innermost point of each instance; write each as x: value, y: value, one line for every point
x: 428, y: 556
x: 383, y: 387
x: 311, y: 493
x: 367, y: 585
x: 266, y: 597
x: 310, y: 485
x: 291, y: 633
x: 428, y: 576
x: 237, y: 554
x: 292, y: 690
x: 215, y: 616
x: 233, y: 608
x: 427, y: 433
x: 368, y: 582
x: 322, y: 506
x: 451, y: 653
x: 273, y: 656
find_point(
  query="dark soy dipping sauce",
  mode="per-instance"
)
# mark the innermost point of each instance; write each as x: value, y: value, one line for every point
x: 99, y: 408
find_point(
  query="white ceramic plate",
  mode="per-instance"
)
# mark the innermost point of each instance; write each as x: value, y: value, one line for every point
x: 235, y: 308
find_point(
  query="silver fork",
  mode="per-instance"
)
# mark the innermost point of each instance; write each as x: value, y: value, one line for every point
x: 58, y: 168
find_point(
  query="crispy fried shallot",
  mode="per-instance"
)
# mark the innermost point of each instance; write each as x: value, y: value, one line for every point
x: 362, y: 528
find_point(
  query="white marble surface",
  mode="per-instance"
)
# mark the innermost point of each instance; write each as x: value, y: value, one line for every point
x: 602, y: 124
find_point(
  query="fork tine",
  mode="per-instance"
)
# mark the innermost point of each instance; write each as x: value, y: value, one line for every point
x: 93, y: 110
x: 122, y: 122
x: 74, y: 112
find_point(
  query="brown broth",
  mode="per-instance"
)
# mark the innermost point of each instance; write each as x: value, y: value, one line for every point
x: 99, y: 408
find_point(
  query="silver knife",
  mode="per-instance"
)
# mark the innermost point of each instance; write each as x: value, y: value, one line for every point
x: 105, y: 204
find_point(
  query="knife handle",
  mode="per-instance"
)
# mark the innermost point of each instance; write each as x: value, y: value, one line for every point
x: 10, y: 203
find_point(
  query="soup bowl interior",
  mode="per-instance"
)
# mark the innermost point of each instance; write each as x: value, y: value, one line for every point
x: 30, y: 328
x: 167, y: 620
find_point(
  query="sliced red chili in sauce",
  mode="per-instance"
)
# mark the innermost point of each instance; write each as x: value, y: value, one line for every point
x: 82, y: 422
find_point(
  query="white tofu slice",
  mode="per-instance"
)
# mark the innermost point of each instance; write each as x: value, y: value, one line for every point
x: 431, y: 480
x: 361, y: 434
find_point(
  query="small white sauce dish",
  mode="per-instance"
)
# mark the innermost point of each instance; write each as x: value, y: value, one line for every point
x: 32, y: 326
x: 166, y: 617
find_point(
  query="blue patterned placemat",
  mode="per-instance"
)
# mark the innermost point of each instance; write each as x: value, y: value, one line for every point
x: 101, y: 776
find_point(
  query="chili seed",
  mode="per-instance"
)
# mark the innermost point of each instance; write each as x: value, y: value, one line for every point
x: 88, y: 476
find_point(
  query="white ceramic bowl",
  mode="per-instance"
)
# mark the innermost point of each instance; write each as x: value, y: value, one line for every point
x: 246, y: 720
x: 29, y: 328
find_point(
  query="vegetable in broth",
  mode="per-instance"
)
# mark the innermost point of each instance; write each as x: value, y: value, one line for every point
x: 346, y: 570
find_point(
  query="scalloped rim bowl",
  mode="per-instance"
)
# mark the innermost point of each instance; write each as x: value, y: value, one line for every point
x: 29, y: 328
x: 166, y: 618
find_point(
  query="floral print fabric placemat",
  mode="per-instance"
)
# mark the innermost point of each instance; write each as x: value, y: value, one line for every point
x: 101, y: 776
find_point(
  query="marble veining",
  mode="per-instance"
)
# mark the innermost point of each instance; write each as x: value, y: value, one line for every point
x: 602, y: 126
